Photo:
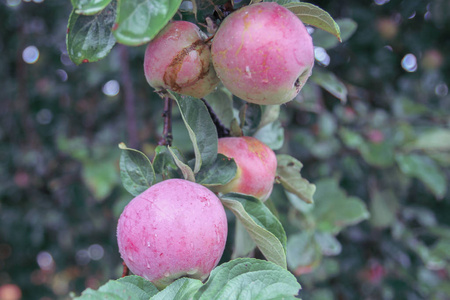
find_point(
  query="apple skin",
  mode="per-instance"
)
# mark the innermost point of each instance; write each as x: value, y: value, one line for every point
x: 256, y: 166
x: 263, y: 53
x: 178, y: 59
x: 176, y: 228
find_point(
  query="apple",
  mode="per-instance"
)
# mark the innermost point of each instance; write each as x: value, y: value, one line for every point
x: 256, y: 166
x: 263, y: 53
x: 178, y: 59
x: 176, y: 228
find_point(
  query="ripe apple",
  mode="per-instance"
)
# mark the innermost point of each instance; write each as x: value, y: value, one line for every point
x: 178, y: 59
x: 256, y: 166
x: 263, y: 53
x: 176, y: 228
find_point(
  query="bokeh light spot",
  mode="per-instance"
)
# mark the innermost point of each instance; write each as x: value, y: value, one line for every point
x: 62, y: 75
x: 82, y: 257
x: 45, y: 260
x: 44, y: 116
x: 13, y: 3
x: 30, y: 55
x: 409, y: 63
x: 441, y: 90
x: 381, y: 2
x: 96, y: 252
x: 111, y: 88
x: 322, y: 56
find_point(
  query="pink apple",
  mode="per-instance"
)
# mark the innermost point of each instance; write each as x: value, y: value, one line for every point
x: 178, y: 59
x: 257, y: 165
x: 174, y: 229
x: 263, y: 53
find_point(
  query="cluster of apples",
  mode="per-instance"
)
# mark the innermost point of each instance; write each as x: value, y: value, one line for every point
x: 263, y: 54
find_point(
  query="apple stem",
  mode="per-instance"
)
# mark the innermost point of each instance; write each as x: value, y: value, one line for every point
x: 126, y: 271
x: 222, y: 130
x: 167, y: 114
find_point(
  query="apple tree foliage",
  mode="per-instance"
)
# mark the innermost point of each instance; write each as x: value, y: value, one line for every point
x: 94, y: 28
x: 371, y: 138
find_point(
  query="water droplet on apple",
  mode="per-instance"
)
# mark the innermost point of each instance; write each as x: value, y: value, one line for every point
x: 167, y: 274
x: 192, y: 272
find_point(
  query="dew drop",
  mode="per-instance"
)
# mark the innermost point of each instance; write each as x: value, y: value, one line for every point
x: 167, y: 274
x: 192, y: 272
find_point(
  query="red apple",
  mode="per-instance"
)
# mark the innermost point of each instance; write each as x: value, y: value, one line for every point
x: 174, y: 229
x: 263, y: 53
x: 256, y: 166
x: 178, y: 59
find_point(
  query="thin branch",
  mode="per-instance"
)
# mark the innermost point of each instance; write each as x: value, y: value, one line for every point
x: 129, y: 98
x: 222, y: 130
x: 167, y: 114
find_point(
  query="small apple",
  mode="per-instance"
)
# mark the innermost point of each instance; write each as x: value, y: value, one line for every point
x: 178, y: 59
x: 256, y: 166
x: 263, y: 53
x: 176, y: 228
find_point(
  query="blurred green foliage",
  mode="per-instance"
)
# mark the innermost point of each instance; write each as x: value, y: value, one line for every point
x: 388, y: 145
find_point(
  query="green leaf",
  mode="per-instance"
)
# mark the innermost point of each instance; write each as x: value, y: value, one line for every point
x: 89, y: 38
x: 89, y: 7
x: 326, y: 41
x: 222, y: 171
x: 334, y: 210
x: 141, y: 283
x: 435, y: 140
x: 303, y: 250
x: 130, y: 287
x: 330, y: 83
x: 136, y: 170
x: 270, y: 114
x: 264, y: 228
x: 139, y: 21
x: 183, y: 288
x: 188, y: 174
x: 272, y: 135
x: 328, y: 243
x: 288, y: 174
x: 163, y: 163
x: 250, y: 116
x: 315, y: 16
x: 424, y: 169
x: 100, y: 177
x: 202, y: 131
x: 248, y: 279
x: 221, y: 101
x: 243, y: 243
x: 376, y: 154
x: 383, y: 208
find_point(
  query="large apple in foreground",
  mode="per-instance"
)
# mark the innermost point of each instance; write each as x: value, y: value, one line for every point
x: 256, y: 166
x: 178, y: 59
x: 174, y: 229
x: 263, y: 53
